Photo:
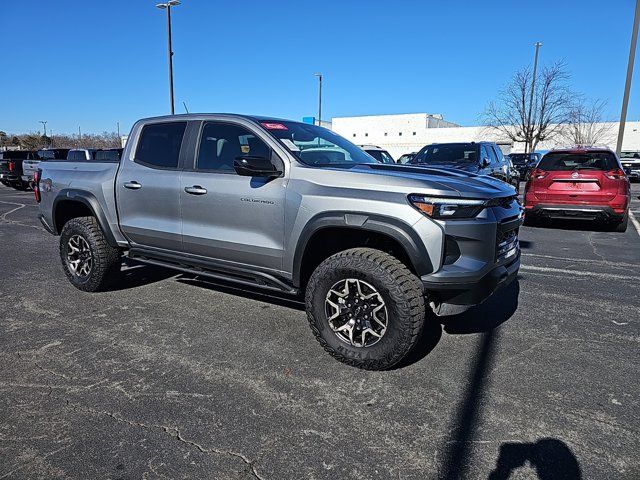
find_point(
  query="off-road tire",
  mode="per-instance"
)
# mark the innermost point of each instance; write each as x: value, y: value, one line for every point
x: 21, y: 186
x: 401, y: 291
x: 106, y: 259
x: 621, y: 226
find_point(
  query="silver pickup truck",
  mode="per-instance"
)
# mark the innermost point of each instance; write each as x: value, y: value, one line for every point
x: 293, y: 208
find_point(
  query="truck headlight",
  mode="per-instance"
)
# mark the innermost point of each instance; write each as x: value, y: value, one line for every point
x: 443, y: 208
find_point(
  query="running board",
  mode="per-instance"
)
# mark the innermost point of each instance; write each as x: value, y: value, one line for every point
x: 240, y: 276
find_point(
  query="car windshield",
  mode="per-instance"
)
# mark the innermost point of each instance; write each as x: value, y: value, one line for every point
x: 522, y: 158
x: 559, y: 161
x: 317, y: 146
x: 380, y: 155
x: 447, y: 154
x: 635, y: 155
x: 406, y: 158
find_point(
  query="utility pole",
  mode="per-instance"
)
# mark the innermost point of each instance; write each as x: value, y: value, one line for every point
x: 118, y: 129
x: 167, y: 6
x: 79, y: 137
x: 319, y: 75
x: 533, y: 84
x: 627, y: 85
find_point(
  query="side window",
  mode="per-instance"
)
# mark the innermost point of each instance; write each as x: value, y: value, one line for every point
x: 499, y: 156
x: 159, y: 144
x: 491, y: 155
x: 221, y: 143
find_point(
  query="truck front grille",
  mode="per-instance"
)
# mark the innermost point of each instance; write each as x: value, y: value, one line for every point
x: 506, y: 242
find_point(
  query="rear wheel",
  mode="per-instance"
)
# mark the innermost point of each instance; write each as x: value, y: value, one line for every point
x: 366, y: 308
x: 22, y: 186
x: 88, y: 260
x: 621, y: 226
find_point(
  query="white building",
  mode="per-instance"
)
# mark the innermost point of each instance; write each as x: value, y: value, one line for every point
x: 405, y: 133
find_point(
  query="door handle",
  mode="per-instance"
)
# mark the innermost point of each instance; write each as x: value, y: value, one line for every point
x: 196, y: 190
x: 133, y: 185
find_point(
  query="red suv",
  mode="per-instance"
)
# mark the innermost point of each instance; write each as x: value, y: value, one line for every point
x: 584, y: 183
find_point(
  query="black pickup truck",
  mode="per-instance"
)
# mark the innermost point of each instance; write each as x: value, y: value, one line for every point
x: 11, y: 167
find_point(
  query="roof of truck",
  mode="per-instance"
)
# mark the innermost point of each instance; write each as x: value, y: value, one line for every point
x: 199, y: 116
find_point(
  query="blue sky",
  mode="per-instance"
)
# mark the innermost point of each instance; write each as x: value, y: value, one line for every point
x: 95, y: 63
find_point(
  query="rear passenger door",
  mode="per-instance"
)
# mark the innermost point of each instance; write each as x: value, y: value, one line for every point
x: 226, y: 216
x: 148, y: 188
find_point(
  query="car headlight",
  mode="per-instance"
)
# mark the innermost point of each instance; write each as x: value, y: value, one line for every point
x: 443, y: 208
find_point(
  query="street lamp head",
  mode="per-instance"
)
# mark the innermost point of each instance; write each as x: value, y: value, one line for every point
x: 537, y: 44
x: 317, y: 75
x: 170, y: 3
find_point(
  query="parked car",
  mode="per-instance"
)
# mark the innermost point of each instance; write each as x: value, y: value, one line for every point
x: 108, y: 154
x: 29, y: 167
x: 81, y: 154
x: 11, y: 168
x: 524, y: 162
x: 631, y: 164
x: 407, y: 157
x: 380, y: 154
x: 585, y: 183
x: 481, y: 158
x: 293, y: 208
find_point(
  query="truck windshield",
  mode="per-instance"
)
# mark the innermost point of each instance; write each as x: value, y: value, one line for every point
x: 447, y: 154
x: 317, y: 146
x: 578, y: 161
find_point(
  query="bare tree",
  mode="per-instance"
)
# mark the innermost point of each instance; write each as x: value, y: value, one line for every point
x: 510, y: 115
x: 35, y: 141
x: 585, y: 125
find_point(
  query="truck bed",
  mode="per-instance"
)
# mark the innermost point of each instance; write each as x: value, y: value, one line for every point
x: 95, y: 177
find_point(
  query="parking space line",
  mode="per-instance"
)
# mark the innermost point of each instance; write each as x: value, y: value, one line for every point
x: 584, y: 260
x: 634, y: 221
x: 581, y: 273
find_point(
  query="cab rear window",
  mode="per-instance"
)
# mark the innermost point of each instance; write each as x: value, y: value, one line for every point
x: 578, y: 161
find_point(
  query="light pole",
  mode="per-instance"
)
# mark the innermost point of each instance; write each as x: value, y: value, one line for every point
x: 533, y: 84
x: 319, y: 75
x: 167, y: 6
x: 44, y: 123
x: 627, y: 85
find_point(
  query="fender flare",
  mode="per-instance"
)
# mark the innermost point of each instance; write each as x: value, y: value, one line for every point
x: 394, y: 228
x: 89, y: 200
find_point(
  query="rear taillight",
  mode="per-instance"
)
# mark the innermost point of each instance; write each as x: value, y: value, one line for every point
x: 537, y: 174
x: 616, y: 174
x: 12, y: 166
x: 36, y: 185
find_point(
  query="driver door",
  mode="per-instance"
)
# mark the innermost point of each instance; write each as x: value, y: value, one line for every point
x: 226, y: 216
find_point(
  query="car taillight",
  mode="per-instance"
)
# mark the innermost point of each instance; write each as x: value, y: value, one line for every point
x: 538, y: 174
x: 36, y: 185
x: 616, y: 174
x: 12, y: 166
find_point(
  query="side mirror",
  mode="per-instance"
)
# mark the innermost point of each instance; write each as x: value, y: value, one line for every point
x: 485, y: 163
x: 255, y: 166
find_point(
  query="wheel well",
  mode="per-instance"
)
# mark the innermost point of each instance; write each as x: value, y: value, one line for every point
x: 331, y: 240
x: 68, y: 209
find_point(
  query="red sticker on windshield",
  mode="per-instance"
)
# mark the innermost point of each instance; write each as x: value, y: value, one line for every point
x: 274, y: 126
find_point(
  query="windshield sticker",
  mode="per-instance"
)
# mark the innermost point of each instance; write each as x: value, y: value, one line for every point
x: 274, y: 126
x: 245, y: 149
x: 290, y: 145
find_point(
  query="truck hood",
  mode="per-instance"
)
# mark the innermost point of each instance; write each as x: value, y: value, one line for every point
x: 458, y: 182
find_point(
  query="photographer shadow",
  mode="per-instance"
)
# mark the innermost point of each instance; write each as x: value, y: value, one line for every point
x: 551, y: 459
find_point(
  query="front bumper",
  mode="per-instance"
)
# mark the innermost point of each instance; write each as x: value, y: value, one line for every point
x: 566, y: 211
x: 476, y: 290
x: 480, y: 255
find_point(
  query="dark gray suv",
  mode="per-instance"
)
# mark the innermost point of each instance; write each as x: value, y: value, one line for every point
x: 481, y: 158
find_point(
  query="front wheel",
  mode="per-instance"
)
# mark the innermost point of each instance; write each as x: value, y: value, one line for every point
x: 88, y: 260
x: 366, y: 308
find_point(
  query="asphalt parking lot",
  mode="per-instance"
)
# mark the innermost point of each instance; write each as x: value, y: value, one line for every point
x: 168, y: 376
